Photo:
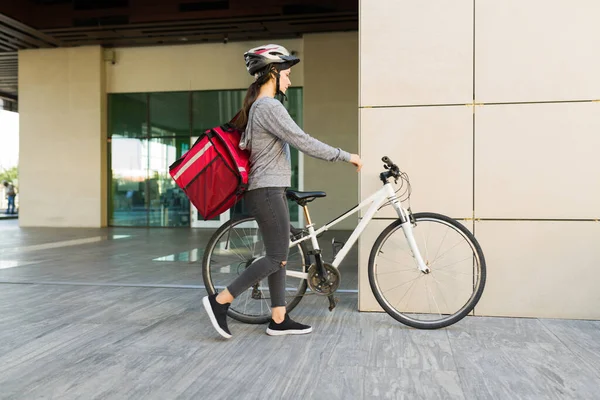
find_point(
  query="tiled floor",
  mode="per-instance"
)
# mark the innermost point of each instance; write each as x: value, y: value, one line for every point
x: 104, y: 313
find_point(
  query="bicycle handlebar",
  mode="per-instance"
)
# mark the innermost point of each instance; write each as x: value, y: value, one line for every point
x: 393, y: 170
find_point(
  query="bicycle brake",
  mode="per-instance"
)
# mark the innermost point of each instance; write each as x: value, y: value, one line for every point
x: 332, y: 302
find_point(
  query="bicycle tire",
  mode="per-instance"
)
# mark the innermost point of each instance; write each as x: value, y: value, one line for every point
x: 454, y: 317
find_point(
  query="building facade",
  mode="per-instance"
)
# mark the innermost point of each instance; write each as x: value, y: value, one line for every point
x: 490, y: 107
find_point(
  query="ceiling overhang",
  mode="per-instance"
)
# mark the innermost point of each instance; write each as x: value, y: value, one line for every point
x: 26, y: 24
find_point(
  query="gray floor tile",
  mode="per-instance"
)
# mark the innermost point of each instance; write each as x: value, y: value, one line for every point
x: 580, y: 337
x: 90, y: 335
x: 402, y: 383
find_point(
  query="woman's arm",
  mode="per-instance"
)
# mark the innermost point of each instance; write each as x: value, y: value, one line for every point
x: 273, y: 116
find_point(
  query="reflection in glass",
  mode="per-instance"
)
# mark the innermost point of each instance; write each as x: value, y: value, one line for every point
x: 142, y: 191
x: 128, y: 186
x: 168, y: 204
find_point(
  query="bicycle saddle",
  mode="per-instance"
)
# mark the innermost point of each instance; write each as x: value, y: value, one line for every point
x: 303, y: 197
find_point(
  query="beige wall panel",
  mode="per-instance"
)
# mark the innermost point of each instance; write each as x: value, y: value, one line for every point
x: 541, y: 269
x: 214, y: 66
x: 537, y: 161
x: 537, y: 50
x: 331, y: 115
x: 433, y: 145
x: 62, y: 138
x: 416, y: 52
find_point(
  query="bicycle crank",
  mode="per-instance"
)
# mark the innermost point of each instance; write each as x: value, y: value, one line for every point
x: 323, y: 285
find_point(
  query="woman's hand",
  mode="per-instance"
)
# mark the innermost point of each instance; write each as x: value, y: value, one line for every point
x: 355, y: 159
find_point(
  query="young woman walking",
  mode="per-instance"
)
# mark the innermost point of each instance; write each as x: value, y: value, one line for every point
x: 269, y: 131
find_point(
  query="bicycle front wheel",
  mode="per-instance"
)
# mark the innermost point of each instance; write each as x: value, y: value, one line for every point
x: 232, y: 249
x: 437, y: 299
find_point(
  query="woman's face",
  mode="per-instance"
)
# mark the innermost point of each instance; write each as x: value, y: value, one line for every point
x: 284, y: 79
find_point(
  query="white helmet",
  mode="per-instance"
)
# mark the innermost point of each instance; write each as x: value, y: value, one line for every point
x: 260, y: 57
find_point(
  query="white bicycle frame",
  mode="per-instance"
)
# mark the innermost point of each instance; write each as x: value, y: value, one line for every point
x: 386, y: 193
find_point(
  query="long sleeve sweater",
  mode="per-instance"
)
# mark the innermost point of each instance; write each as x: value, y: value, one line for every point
x: 269, y: 133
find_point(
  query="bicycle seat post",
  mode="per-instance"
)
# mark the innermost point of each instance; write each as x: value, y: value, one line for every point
x: 316, y: 251
x: 307, y: 215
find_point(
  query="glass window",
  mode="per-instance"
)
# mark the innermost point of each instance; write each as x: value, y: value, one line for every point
x: 294, y: 105
x: 214, y: 107
x: 128, y: 115
x: 169, y: 114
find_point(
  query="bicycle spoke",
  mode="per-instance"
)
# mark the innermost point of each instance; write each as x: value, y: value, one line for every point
x: 395, y: 262
x: 242, y: 238
x: 410, y: 290
x: 447, y: 251
x: 441, y: 291
x: 448, y: 265
x: 454, y: 273
x: 400, y: 270
x: 402, y: 284
x: 402, y: 241
x: 438, y: 250
x: 435, y: 302
x: 428, y: 302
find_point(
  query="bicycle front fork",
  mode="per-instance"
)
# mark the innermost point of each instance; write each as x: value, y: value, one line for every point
x: 410, y: 237
x: 406, y: 218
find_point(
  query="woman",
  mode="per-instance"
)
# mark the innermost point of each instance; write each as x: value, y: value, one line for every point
x: 268, y: 132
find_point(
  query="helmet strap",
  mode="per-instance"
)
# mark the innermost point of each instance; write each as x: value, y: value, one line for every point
x: 278, y: 92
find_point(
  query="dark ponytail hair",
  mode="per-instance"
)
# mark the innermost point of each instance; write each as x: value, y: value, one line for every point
x: 242, y: 120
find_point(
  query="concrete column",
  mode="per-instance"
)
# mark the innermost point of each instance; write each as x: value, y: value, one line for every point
x: 62, y: 160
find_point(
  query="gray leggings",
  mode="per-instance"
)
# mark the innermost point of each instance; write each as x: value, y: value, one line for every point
x: 269, y: 207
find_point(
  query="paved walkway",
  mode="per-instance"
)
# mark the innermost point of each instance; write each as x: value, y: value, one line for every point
x: 116, y: 313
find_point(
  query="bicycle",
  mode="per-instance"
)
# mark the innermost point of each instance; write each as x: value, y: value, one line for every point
x: 239, y: 242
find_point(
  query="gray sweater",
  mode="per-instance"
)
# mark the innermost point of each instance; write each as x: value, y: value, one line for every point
x: 268, y: 136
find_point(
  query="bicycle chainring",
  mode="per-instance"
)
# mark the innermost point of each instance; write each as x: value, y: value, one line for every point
x: 327, y: 285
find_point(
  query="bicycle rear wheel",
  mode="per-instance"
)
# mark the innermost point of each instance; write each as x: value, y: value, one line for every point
x: 232, y: 248
x: 445, y: 295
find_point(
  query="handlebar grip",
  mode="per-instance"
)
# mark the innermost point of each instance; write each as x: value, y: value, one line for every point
x: 386, y: 160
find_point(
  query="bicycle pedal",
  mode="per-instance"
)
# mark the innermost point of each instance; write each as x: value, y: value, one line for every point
x: 256, y: 293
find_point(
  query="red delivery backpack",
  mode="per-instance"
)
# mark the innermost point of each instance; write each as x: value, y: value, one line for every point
x: 214, y: 172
